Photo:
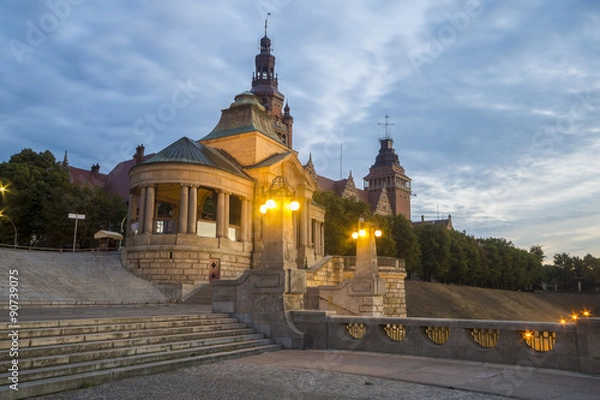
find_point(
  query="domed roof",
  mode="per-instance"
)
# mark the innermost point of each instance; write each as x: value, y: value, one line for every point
x: 188, y: 151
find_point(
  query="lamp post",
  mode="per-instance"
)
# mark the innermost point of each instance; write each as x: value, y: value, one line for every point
x: 279, y: 250
x: 14, y: 228
x: 366, y: 249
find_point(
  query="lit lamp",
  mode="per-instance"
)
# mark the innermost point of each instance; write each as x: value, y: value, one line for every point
x: 280, y: 188
x: 364, y: 228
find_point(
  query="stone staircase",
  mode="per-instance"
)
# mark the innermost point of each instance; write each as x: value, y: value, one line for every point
x: 60, y: 355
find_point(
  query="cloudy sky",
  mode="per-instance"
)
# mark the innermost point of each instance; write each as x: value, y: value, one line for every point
x: 495, y: 104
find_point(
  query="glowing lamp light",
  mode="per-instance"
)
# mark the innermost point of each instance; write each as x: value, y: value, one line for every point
x: 271, y: 204
x: 527, y: 334
x: 377, y: 233
x: 586, y: 313
x: 294, y: 206
x: 354, y: 235
x: 263, y: 209
x: 563, y: 321
x: 574, y: 316
x: 362, y: 233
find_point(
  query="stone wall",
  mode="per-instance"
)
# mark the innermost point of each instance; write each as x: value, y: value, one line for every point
x: 328, y: 272
x: 333, y: 271
x: 394, y: 300
x: 178, y: 269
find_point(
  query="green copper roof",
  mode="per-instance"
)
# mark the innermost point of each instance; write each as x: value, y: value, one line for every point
x: 187, y: 151
x: 245, y: 114
x: 271, y: 160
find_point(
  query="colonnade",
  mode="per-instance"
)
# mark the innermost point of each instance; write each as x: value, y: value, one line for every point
x: 145, y: 204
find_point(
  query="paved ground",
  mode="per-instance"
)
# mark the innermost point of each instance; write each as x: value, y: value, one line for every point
x: 297, y: 374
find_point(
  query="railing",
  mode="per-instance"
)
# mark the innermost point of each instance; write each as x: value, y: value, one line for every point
x: 350, y: 262
x: 537, y: 344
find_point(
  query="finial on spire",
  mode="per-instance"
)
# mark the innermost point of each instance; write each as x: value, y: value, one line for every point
x: 386, y: 126
x: 266, y: 22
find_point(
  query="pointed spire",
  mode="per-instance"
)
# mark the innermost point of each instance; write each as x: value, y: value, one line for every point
x: 65, y: 162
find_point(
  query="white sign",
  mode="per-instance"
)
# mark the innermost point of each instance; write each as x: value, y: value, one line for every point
x: 76, y: 216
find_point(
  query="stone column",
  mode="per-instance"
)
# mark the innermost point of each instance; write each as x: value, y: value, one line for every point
x: 322, y: 252
x: 317, y: 238
x: 226, y: 216
x: 183, y: 209
x: 303, y: 224
x: 366, y: 255
x: 220, y: 213
x: 192, y: 210
x: 131, y: 210
x: 244, y: 220
x: 149, y: 212
x: 142, y: 210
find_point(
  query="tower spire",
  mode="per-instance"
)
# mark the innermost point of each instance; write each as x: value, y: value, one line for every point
x: 264, y: 86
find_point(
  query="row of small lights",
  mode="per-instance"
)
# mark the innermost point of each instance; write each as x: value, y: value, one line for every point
x: 575, y: 316
x: 271, y: 204
x: 363, y: 233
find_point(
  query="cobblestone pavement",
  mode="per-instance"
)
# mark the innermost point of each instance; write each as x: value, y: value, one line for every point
x: 238, y: 380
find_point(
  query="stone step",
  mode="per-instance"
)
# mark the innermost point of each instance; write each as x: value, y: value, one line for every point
x: 78, y: 347
x: 114, y: 335
x: 70, y: 382
x: 65, y: 354
x: 26, y: 332
x: 28, y: 375
x: 4, y: 326
x: 43, y: 359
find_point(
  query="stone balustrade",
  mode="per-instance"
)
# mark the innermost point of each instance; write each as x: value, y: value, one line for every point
x: 573, y: 346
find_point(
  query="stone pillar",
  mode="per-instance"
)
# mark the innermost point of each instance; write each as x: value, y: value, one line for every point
x: 279, y: 246
x: 131, y: 210
x: 149, y: 212
x: 193, y: 210
x: 303, y: 225
x: 245, y: 220
x: 142, y: 210
x: 317, y: 238
x: 226, y: 216
x: 366, y: 255
x: 220, y: 213
x: 183, y: 209
x: 322, y: 252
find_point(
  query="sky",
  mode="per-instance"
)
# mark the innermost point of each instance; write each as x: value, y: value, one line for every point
x: 494, y: 104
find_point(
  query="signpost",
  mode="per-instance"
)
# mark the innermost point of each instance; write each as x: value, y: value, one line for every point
x: 75, y: 217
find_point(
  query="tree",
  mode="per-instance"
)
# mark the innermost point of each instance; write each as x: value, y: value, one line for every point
x: 40, y: 196
x: 341, y: 217
x: 434, y: 242
x: 407, y: 242
x: 36, y: 183
x: 564, y: 265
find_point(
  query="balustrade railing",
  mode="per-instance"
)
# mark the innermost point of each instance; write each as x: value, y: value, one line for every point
x: 538, y: 344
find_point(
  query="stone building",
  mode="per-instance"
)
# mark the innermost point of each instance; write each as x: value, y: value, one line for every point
x: 195, y: 207
x: 387, y: 189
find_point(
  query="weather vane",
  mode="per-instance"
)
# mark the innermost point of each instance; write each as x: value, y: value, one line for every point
x: 386, y: 126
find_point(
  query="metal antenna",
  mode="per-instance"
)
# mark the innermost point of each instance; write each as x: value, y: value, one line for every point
x: 386, y: 126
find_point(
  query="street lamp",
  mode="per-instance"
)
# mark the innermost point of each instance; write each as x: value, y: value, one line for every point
x: 280, y: 188
x: 9, y: 220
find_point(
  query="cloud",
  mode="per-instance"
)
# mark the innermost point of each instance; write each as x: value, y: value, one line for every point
x: 497, y: 127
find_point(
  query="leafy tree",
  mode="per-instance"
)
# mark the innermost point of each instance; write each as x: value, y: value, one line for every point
x: 434, y: 242
x: 40, y: 196
x: 407, y: 242
x: 341, y: 217
x: 36, y: 183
